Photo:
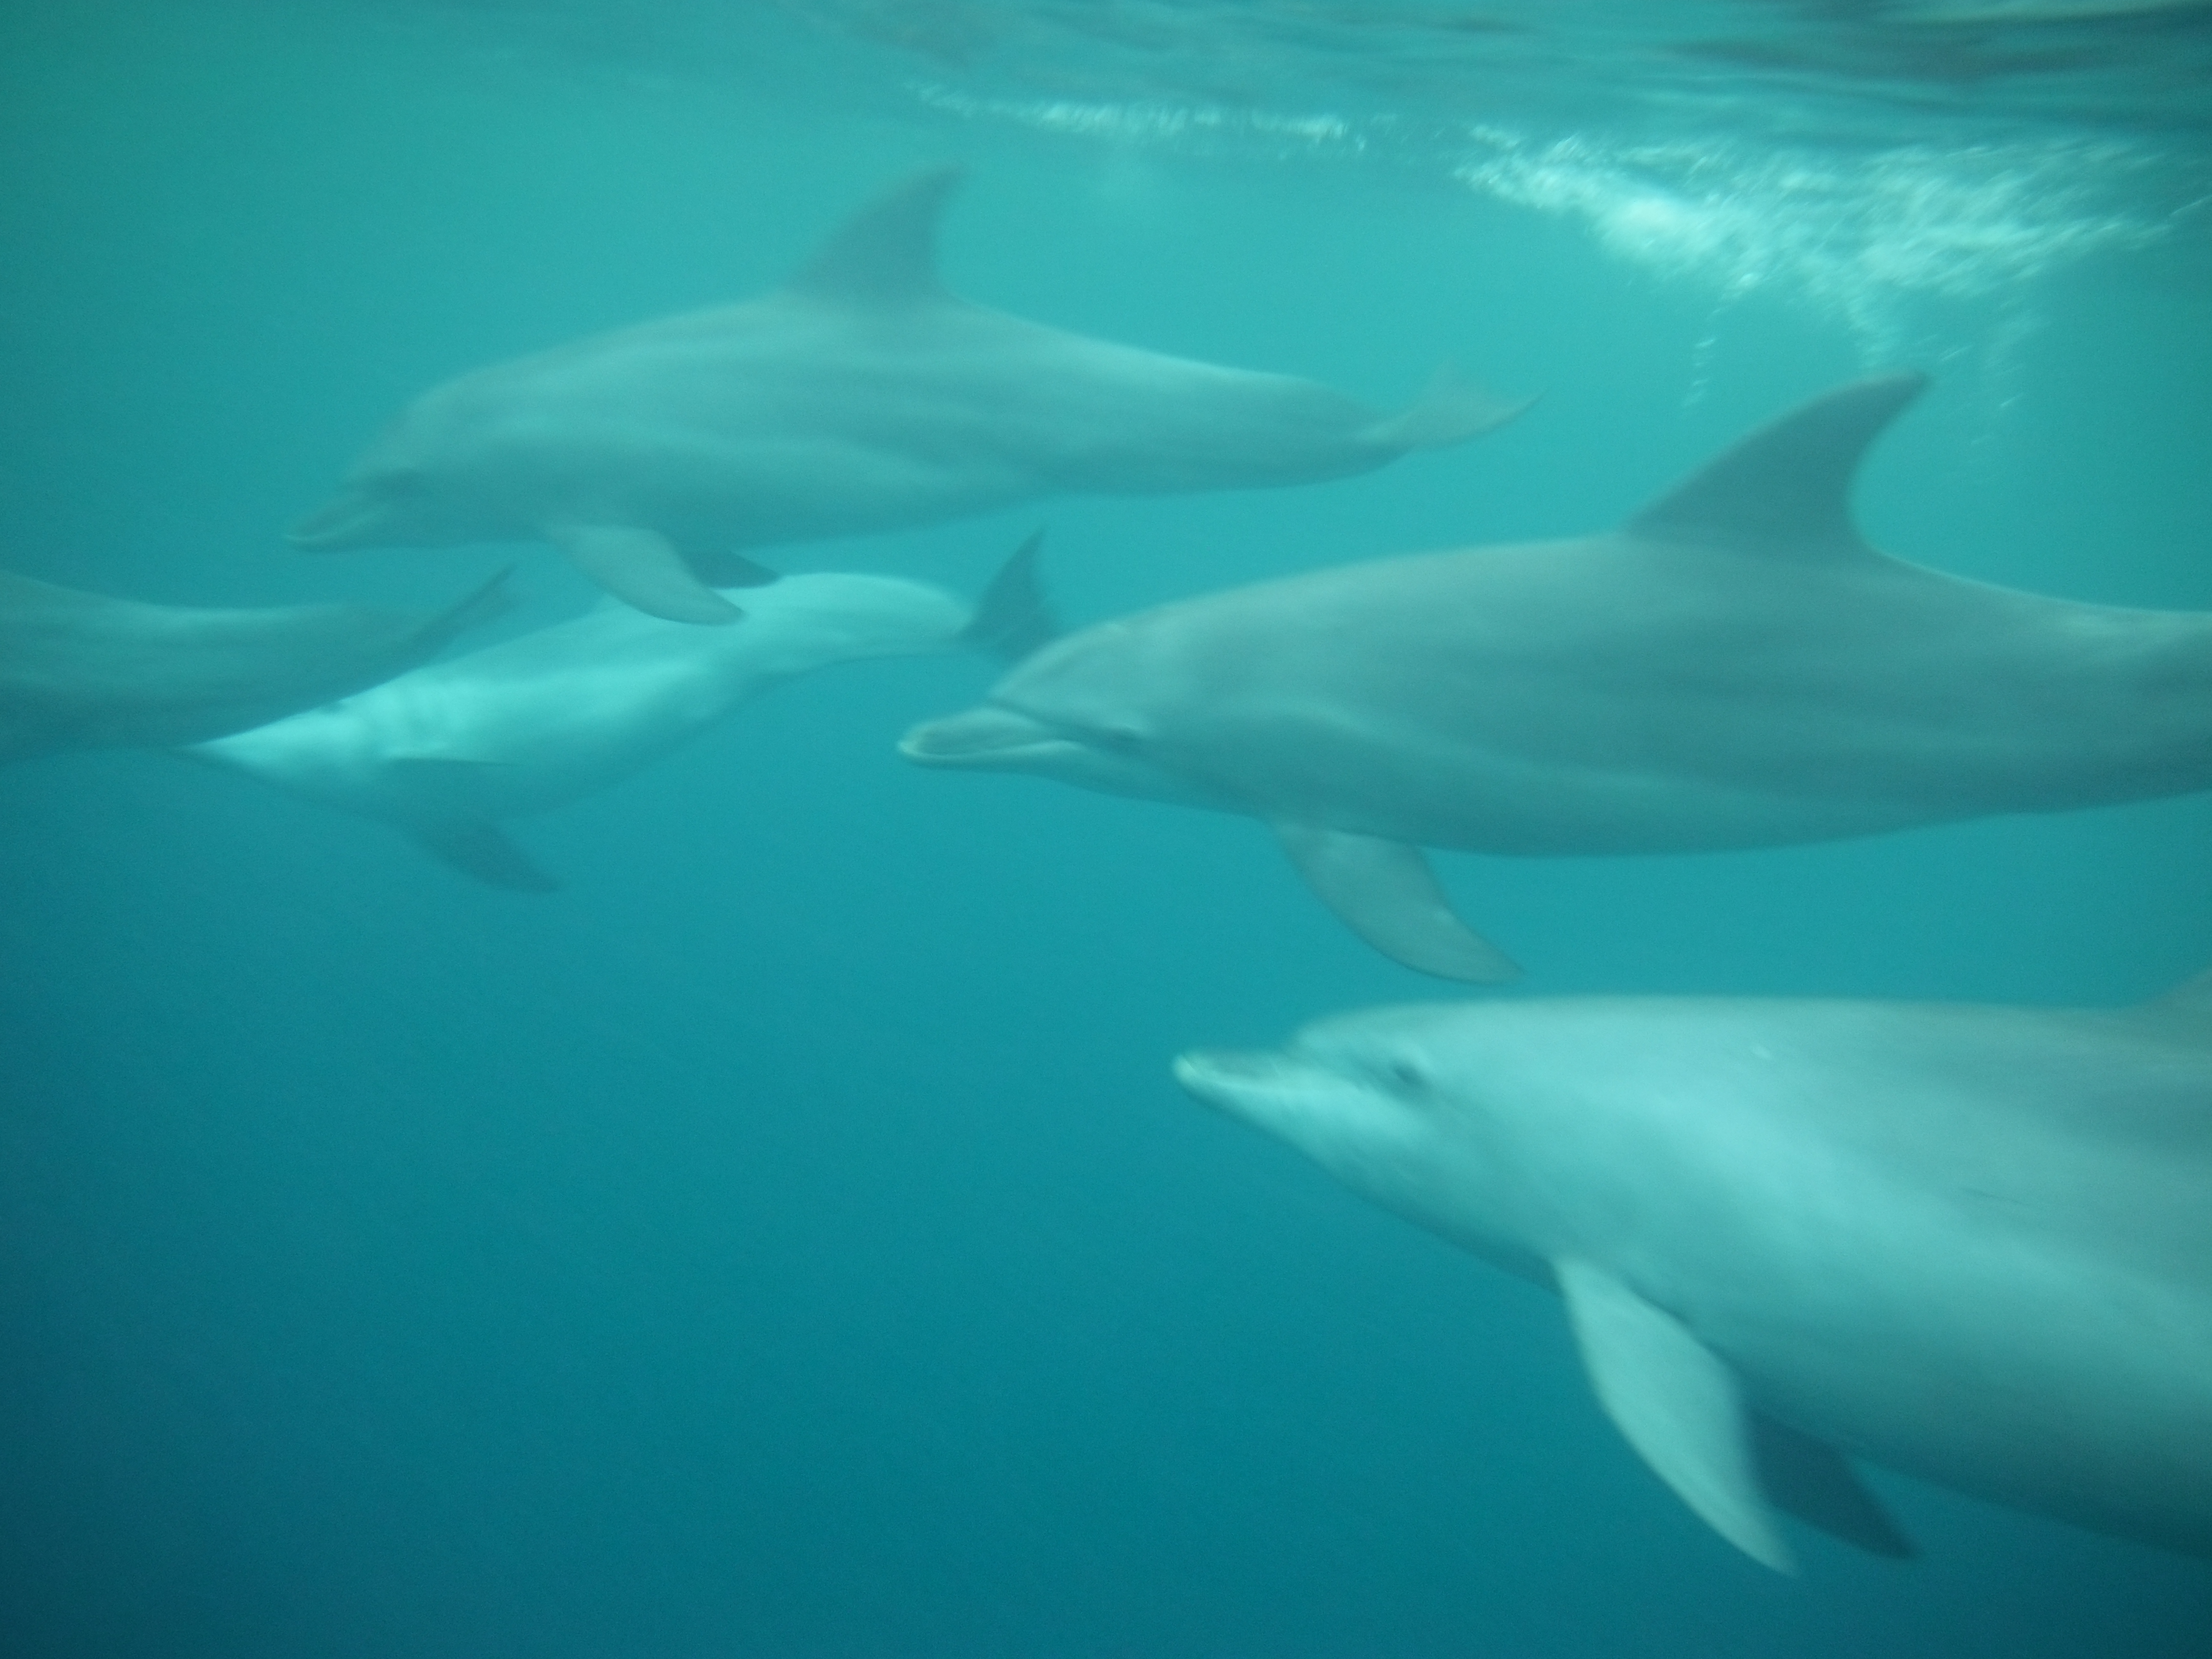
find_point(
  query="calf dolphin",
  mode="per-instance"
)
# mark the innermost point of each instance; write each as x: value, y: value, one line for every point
x: 1971, y: 1244
x: 861, y: 397
x: 526, y: 725
x: 81, y: 670
x: 1734, y: 667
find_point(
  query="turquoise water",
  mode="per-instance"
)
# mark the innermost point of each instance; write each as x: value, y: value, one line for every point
x: 787, y: 1240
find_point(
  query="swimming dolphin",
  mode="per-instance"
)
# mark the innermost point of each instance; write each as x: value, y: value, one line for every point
x: 1971, y: 1243
x: 1734, y: 667
x: 533, y: 722
x: 81, y: 670
x: 861, y: 397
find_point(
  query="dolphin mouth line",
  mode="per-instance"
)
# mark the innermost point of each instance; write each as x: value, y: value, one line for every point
x: 343, y: 522
x: 983, y: 738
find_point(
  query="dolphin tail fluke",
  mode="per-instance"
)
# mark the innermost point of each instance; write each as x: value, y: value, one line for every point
x: 479, y: 848
x: 641, y: 567
x: 1013, y: 618
x: 1677, y: 1403
x: 1385, y: 892
x: 1452, y: 409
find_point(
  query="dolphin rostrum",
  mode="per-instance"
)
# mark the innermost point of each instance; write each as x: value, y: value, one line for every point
x: 1971, y: 1243
x: 81, y: 670
x: 861, y: 397
x: 530, y: 723
x: 1734, y: 667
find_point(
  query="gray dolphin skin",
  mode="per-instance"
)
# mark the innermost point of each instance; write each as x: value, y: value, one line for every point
x: 81, y: 670
x: 861, y: 396
x: 1734, y: 667
x: 1971, y: 1243
x: 445, y: 753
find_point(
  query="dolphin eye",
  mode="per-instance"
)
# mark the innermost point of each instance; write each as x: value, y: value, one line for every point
x: 1404, y: 1077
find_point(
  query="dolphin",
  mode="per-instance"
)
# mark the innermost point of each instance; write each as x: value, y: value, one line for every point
x: 1734, y: 667
x: 1971, y: 1243
x: 82, y: 670
x: 861, y: 397
x: 525, y: 726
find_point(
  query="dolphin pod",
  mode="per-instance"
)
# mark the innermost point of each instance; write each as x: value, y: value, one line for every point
x: 1971, y: 1243
x: 861, y: 397
x: 81, y: 670
x: 1734, y: 667
x: 448, y: 750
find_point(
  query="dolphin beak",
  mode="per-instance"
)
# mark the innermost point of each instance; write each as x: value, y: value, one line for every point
x: 348, y: 520
x: 989, y: 739
x: 1240, y: 1081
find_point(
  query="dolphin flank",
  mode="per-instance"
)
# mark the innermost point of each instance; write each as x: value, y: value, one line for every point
x: 861, y: 397
x: 1973, y: 1244
x: 81, y: 670
x: 1734, y: 667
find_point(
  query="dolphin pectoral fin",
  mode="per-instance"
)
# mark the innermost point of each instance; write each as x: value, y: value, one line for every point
x: 445, y: 784
x: 1784, y: 491
x: 1450, y: 410
x: 723, y: 568
x: 1013, y: 618
x: 886, y: 253
x: 728, y: 568
x: 1815, y: 1482
x: 479, y: 848
x: 1677, y: 1403
x: 641, y: 567
x: 490, y: 599
x: 1385, y: 892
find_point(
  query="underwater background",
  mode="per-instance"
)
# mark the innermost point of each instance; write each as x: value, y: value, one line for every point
x: 787, y: 1240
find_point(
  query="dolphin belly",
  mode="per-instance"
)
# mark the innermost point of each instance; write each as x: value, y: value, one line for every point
x: 2031, y: 1377
x: 1965, y: 1244
x: 515, y: 729
x: 1474, y: 799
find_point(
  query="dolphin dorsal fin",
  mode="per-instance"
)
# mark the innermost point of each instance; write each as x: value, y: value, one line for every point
x: 1786, y: 490
x: 1013, y: 618
x: 886, y: 253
